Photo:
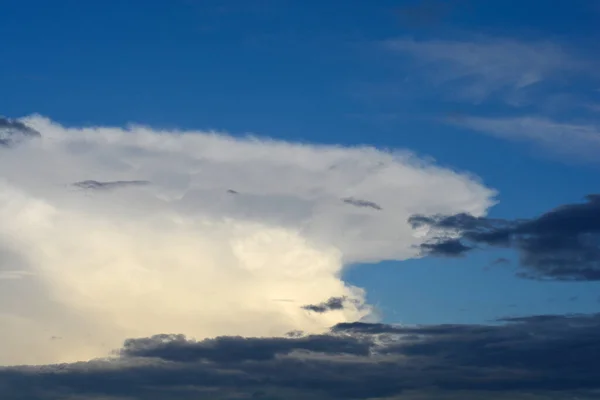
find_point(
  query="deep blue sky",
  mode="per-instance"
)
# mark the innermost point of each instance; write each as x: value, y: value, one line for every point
x: 319, y: 71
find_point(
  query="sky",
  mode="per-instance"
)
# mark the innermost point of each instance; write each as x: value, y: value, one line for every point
x: 304, y: 198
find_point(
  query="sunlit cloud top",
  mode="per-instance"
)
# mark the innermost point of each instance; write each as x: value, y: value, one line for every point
x: 113, y: 233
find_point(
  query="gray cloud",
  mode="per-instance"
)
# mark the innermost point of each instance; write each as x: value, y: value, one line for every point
x: 230, y: 349
x: 334, y: 303
x: 362, y: 203
x: 501, y: 261
x: 548, y: 356
x: 561, y: 244
x: 12, y: 132
x: 447, y: 247
x: 96, y: 185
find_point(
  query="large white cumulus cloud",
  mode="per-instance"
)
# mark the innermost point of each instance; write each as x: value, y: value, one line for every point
x: 229, y: 236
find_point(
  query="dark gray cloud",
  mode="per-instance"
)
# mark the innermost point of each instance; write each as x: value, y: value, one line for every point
x: 96, y: 185
x: 334, y: 303
x: 13, y: 132
x: 561, y: 244
x: 362, y: 203
x: 446, y: 247
x: 533, y: 353
x: 233, y: 349
x: 536, y: 357
x: 501, y: 261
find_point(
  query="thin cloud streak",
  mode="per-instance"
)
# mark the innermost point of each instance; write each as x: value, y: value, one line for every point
x: 486, y: 66
x: 568, y: 139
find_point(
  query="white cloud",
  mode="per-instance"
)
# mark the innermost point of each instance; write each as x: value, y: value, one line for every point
x: 486, y: 66
x: 184, y: 255
x: 563, y: 138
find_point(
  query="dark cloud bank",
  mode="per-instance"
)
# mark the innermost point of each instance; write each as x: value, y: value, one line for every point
x: 561, y: 244
x: 539, y: 357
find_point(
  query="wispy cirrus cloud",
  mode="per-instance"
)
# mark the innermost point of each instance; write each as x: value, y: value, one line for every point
x: 484, y: 67
x: 553, y: 84
x: 565, y: 138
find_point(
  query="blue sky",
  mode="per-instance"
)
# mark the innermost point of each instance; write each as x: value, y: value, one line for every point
x: 506, y: 90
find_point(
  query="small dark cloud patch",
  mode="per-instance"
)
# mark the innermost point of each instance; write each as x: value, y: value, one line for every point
x: 501, y: 261
x: 110, y: 185
x: 13, y: 132
x: 497, y: 262
x: 561, y: 244
x: 364, y: 327
x: 362, y: 203
x: 334, y: 303
x: 231, y: 191
x: 447, y: 248
x: 535, y: 357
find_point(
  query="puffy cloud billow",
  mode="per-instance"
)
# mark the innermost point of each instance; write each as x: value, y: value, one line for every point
x: 111, y: 233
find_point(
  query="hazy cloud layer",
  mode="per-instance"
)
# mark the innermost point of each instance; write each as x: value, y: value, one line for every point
x: 538, y: 357
x: 181, y: 252
x: 562, y: 244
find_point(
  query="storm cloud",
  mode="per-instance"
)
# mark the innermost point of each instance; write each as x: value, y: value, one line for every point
x: 537, y: 357
x: 94, y: 254
x: 561, y: 244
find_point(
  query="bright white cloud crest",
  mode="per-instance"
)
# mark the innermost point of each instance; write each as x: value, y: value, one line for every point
x: 231, y: 236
